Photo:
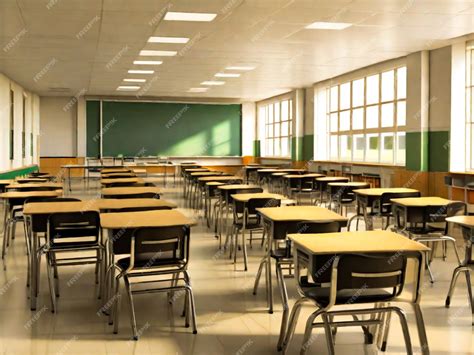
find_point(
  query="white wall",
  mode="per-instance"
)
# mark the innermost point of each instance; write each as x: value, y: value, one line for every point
x: 58, y: 127
x: 249, y: 126
x: 32, y: 123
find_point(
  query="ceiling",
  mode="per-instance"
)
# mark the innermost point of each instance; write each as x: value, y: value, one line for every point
x: 76, y: 47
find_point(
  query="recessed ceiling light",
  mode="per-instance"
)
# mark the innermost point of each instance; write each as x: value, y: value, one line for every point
x: 198, y: 89
x: 154, y: 39
x: 158, y: 53
x: 328, y: 25
x: 147, y: 62
x: 189, y: 16
x: 136, y: 71
x: 213, y: 83
x: 135, y: 80
x: 227, y: 75
x: 128, y: 88
x: 241, y: 68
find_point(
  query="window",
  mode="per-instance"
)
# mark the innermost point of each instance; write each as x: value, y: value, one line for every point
x: 12, y: 124
x: 277, y: 118
x: 366, y: 118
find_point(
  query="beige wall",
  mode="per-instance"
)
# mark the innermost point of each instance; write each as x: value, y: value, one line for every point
x: 58, y: 127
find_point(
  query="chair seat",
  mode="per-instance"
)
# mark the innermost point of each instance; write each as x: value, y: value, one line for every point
x: 436, y: 226
x: 148, y: 262
x: 252, y: 223
x: 359, y: 295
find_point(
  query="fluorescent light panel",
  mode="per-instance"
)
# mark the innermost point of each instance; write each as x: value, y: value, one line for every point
x: 328, y: 26
x: 128, y: 88
x: 135, y: 80
x: 227, y: 75
x: 137, y: 71
x: 198, y: 89
x: 158, y: 53
x: 243, y: 68
x: 189, y: 16
x: 213, y: 83
x: 147, y: 62
x: 155, y: 39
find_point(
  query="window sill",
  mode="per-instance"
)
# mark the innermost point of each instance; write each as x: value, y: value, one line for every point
x: 357, y: 163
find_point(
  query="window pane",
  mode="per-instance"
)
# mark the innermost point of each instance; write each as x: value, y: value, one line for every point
x: 270, y: 131
x: 345, y: 120
x: 372, y: 148
x: 388, y: 85
x: 290, y: 108
x: 284, y: 110
x: 386, y: 155
x: 358, y: 118
x: 333, y: 122
x: 285, y: 129
x: 285, y: 151
x: 401, y: 148
x: 333, y: 148
x: 402, y: 83
x: 270, y: 147
x: 401, y: 113
x: 358, y: 93
x: 372, y: 117
x: 372, y: 89
x: 277, y: 112
x: 277, y: 130
x: 345, y: 96
x: 387, y: 115
x: 345, y: 147
x: 334, y: 99
x: 270, y: 113
x: 277, y: 151
x: 359, y: 146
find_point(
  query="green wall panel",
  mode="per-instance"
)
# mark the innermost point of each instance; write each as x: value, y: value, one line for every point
x: 168, y: 129
x: 308, y: 147
x: 256, y: 148
x: 93, y: 128
x: 20, y: 172
x: 417, y: 151
x: 439, y: 151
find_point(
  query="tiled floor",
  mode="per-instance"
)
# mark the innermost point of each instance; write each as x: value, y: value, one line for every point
x: 230, y: 319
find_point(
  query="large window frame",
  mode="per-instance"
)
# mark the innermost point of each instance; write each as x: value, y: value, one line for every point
x: 366, y: 118
x: 469, y: 121
x: 276, y: 118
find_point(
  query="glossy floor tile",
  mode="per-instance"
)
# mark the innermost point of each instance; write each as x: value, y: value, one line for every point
x: 231, y: 320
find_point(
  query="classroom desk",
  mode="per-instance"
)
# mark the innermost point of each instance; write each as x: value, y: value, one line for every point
x: 369, y: 197
x: 4, y: 183
x: 370, y: 242
x: 279, y: 222
x: 323, y: 182
x: 131, y: 180
x: 47, y: 185
x: 191, y: 184
x: 132, y: 220
x: 249, y: 169
x: 467, y: 224
x: 102, y: 168
x: 117, y: 175
x: 123, y: 191
x: 421, y: 209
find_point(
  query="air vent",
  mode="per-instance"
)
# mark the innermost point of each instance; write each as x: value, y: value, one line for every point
x: 59, y: 89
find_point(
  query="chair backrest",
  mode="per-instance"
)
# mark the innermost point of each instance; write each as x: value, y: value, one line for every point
x: 51, y: 199
x: 371, y: 271
x: 73, y: 228
x: 32, y: 180
x: 37, y: 174
x: 127, y: 184
x: 121, y: 175
x: 387, y: 196
x: 239, y: 206
x: 40, y: 188
x: 456, y: 208
x: 140, y: 209
x: 255, y: 203
x: 160, y: 246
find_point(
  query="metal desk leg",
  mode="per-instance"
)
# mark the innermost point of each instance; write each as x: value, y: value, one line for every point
x: 33, y: 275
x: 269, y: 281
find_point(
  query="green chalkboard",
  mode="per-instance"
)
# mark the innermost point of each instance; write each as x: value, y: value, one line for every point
x: 169, y: 129
x: 93, y: 128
